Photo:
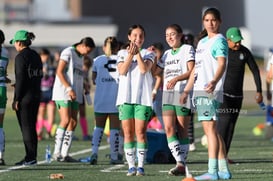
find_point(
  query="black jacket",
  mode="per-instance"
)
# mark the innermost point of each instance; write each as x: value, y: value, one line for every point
x: 234, y: 80
x: 28, y: 75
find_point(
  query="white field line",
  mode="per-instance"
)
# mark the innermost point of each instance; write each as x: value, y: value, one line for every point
x: 44, y: 161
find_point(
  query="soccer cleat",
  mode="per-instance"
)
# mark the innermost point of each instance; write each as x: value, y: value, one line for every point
x: 179, y: 169
x: 224, y: 175
x: 231, y: 161
x: 26, y: 163
x: 140, y: 171
x: 207, y: 176
x: 93, y: 159
x: 120, y: 157
x: 131, y: 171
x: 75, y: 138
x: 68, y: 159
x: 87, y: 138
x: 2, y: 161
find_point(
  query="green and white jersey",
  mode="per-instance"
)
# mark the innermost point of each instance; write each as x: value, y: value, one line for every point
x: 207, y: 51
x: 106, y: 84
x: 73, y: 74
x: 175, y: 64
x: 135, y: 87
x: 4, y: 61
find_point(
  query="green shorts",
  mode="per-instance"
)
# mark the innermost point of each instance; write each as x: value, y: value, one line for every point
x: 136, y: 111
x: 179, y: 110
x: 206, y: 108
x: 3, y: 97
x: 65, y: 104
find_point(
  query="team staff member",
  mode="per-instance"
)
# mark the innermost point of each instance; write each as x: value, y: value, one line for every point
x: 208, y: 77
x: 238, y: 57
x: 67, y: 94
x: 28, y: 75
x: 4, y: 61
x: 135, y: 97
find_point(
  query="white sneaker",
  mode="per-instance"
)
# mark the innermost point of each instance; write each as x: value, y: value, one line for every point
x: 192, y: 147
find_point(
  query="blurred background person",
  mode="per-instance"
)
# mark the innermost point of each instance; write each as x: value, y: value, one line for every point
x: 87, y: 63
x: 46, y: 112
x: 157, y: 91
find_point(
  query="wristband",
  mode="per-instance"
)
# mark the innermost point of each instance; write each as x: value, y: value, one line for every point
x: 154, y: 91
x: 67, y: 89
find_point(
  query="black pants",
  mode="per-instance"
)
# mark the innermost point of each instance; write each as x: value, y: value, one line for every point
x: 228, y: 115
x: 27, y: 116
x: 191, y: 129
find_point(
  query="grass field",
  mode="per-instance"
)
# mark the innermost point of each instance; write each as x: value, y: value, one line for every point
x: 253, y: 155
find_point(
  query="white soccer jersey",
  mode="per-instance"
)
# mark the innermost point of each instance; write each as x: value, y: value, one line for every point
x: 4, y: 60
x: 205, y: 68
x: 73, y: 74
x: 135, y: 87
x: 106, y: 84
x: 175, y: 64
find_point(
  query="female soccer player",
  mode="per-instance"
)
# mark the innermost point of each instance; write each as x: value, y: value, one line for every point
x: 135, y: 97
x: 67, y: 94
x: 4, y: 61
x: 178, y: 63
x: 105, y: 77
x: 208, y: 78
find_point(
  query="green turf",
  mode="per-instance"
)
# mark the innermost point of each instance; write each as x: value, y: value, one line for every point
x: 253, y: 154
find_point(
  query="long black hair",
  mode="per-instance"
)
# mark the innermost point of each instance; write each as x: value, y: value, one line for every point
x: 87, y: 41
x: 2, y: 40
x: 217, y: 15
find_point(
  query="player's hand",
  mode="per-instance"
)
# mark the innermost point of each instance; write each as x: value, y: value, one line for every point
x: 258, y: 97
x: 15, y: 105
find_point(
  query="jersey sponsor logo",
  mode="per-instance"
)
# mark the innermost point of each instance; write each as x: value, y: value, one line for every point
x: 172, y: 73
x: 206, y: 113
x: 171, y: 62
x: 241, y: 56
x: 108, y: 79
x: 111, y: 65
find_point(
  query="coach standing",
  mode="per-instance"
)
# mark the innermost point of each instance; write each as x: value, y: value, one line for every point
x: 28, y: 74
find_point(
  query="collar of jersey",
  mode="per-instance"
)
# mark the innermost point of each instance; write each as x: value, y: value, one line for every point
x: 77, y: 52
x: 175, y: 51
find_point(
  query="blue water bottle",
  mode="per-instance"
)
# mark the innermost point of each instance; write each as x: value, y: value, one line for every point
x: 48, y: 154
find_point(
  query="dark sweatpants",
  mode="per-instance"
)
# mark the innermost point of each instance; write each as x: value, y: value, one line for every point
x: 27, y: 116
x: 228, y: 115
